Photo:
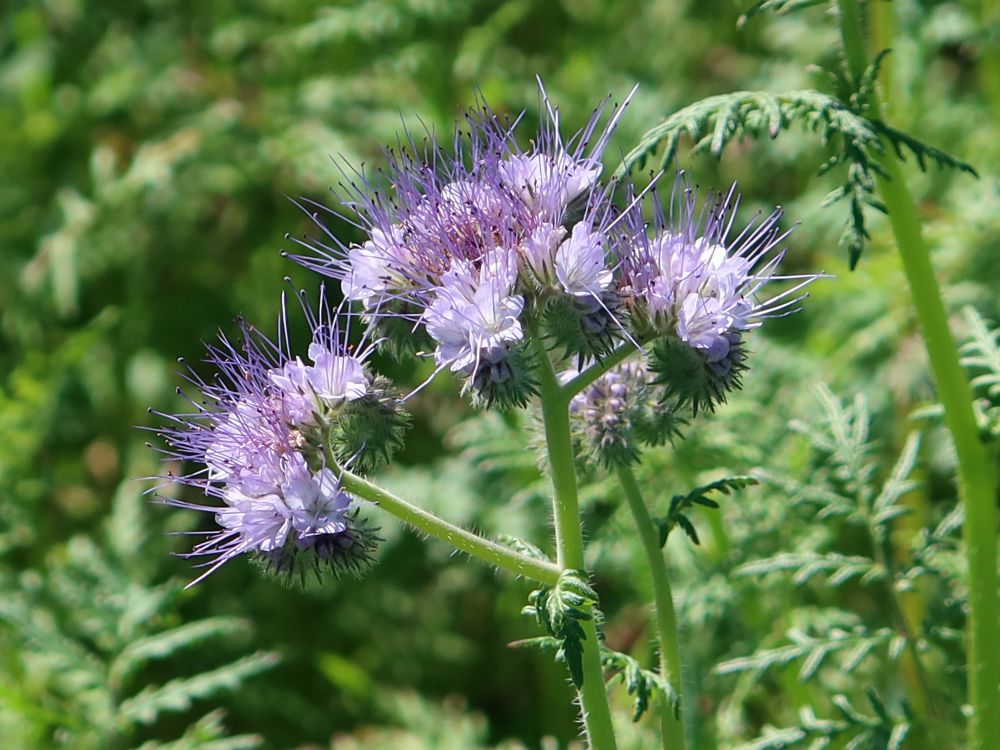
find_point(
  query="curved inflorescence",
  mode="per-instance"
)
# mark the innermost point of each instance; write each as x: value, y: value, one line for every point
x: 264, y: 430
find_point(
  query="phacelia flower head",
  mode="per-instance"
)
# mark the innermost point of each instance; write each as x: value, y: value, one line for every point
x: 620, y: 412
x: 695, y: 285
x: 458, y: 247
x: 267, y: 435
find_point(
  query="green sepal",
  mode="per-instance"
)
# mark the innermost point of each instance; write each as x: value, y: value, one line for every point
x: 395, y: 327
x: 366, y: 432
x: 516, y: 390
x: 583, y: 328
x: 346, y: 553
x: 690, y: 379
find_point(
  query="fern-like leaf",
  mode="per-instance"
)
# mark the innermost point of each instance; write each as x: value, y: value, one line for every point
x: 838, y: 568
x: 167, y: 643
x: 853, y: 729
x: 180, y: 693
x: 559, y: 610
x: 981, y: 353
x: 981, y: 356
x: 208, y: 733
x: 812, y: 651
x: 857, y: 141
x: 680, y: 504
x: 642, y: 684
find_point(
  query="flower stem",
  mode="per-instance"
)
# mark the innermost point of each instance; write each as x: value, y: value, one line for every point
x: 569, y: 546
x: 977, y: 476
x: 484, y: 549
x: 671, y: 727
x: 597, y: 369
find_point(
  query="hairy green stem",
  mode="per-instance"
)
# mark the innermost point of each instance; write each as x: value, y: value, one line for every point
x: 597, y: 369
x: 672, y: 727
x: 569, y: 545
x: 461, y: 539
x: 977, y: 476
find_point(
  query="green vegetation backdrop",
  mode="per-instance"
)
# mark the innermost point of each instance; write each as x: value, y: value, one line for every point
x: 147, y: 153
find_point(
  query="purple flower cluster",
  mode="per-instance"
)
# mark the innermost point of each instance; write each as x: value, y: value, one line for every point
x: 470, y: 257
x: 466, y: 244
x: 691, y: 278
x: 481, y: 249
x: 258, y: 433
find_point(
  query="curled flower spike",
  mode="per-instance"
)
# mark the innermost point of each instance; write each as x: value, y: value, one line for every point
x: 695, y: 285
x: 264, y: 431
x: 460, y: 245
x: 620, y: 412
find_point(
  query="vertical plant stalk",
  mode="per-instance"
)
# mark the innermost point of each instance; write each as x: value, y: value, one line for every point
x: 977, y: 475
x: 923, y: 697
x: 569, y: 546
x: 671, y: 727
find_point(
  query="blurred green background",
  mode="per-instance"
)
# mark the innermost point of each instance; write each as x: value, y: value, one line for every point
x: 147, y: 152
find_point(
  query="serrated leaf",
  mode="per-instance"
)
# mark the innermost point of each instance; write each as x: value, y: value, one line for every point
x: 559, y: 610
x: 814, y: 650
x: 208, y: 733
x: 642, y: 684
x: 805, y: 565
x: 676, y: 516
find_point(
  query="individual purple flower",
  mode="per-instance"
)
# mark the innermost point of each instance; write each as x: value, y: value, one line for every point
x: 696, y: 285
x: 474, y: 314
x: 538, y: 251
x: 550, y: 181
x: 260, y: 433
x: 580, y: 263
x: 371, y: 267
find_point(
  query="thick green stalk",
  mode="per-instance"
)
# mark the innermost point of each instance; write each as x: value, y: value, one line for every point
x: 569, y: 546
x: 977, y: 476
x: 672, y: 727
x: 461, y: 539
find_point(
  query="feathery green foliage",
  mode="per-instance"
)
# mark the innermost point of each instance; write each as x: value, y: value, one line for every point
x: 680, y: 504
x: 879, y: 730
x: 643, y: 685
x: 559, y: 610
x: 981, y: 356
x: 91, y: 631
x: 841, y: 122
x: 843, y: 492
